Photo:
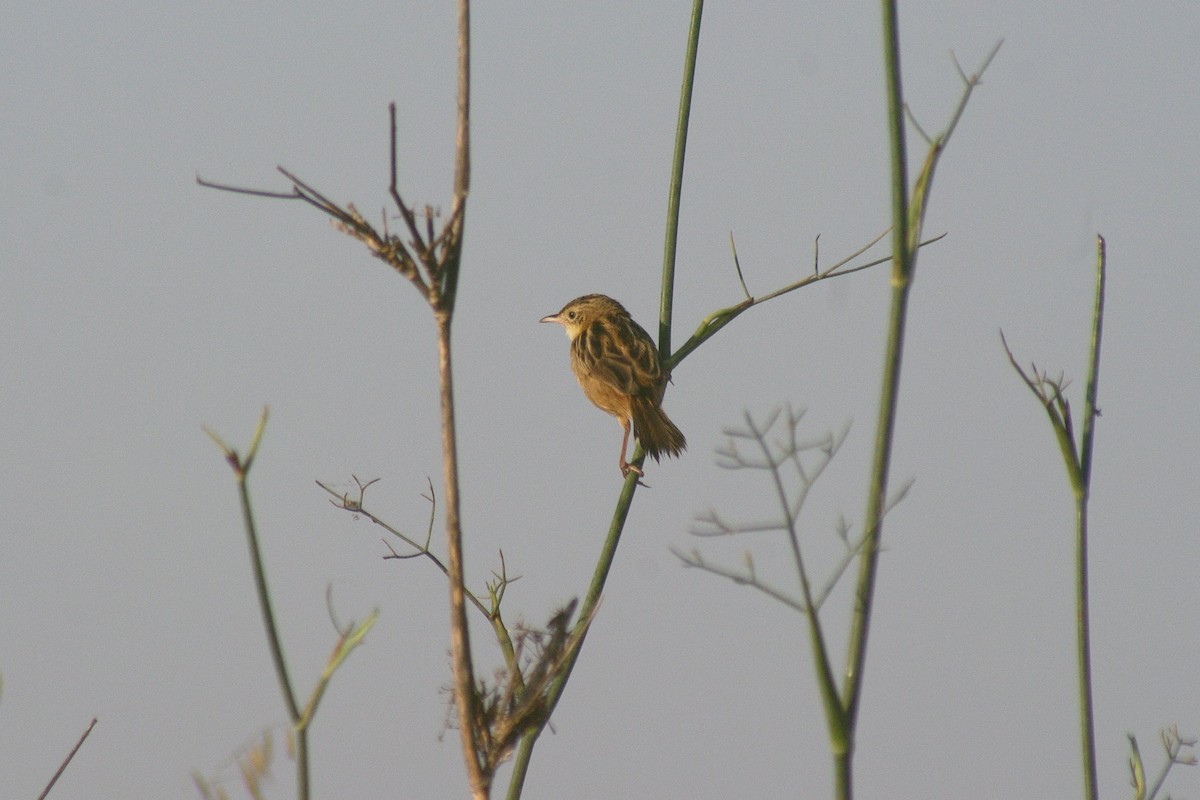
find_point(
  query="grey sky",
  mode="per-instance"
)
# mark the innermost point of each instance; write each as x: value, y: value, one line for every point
x: 136, y: 307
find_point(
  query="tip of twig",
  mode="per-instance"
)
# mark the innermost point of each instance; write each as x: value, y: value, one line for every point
x: 738, y: 265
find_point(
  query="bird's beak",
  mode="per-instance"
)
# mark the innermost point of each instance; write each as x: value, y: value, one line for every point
x: 550, y: 318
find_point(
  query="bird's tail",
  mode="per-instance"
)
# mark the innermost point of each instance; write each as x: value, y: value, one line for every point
x: 655, y: 431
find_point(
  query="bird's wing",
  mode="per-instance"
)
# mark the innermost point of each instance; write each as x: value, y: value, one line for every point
x: 622, y: 354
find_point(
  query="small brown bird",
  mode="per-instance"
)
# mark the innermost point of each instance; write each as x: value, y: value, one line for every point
x: 620, y: 370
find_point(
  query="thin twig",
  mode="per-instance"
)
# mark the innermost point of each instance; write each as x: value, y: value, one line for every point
x: 737, y: 265
x: 743, y: 578
x: 420, y: 550
x: 225, y: 187
x: 714, y: 322
x: 62, y: 767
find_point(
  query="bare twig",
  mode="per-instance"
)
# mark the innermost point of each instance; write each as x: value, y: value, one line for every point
x: 776, y: 455
x: 743, y: 577
x: 717, y: 320
x: 737, y: 265
x: 357, y: 505
x: 63, y: 766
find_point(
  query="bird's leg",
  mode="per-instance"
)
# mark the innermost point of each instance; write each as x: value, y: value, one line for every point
x: 626, y: 467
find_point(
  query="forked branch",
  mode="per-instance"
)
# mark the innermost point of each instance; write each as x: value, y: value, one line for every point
x: 1173, y: 747
x: 714, y: 322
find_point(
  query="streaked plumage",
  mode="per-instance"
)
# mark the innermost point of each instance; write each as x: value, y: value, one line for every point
x: 619, y: 369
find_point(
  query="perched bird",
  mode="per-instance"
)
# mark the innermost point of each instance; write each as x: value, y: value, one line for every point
x: 620, y: 370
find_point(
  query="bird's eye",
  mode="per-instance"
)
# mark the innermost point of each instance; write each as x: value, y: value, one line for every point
x: 571, y: 315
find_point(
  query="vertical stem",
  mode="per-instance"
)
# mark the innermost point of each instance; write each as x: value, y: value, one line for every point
x: 607, y: 553
x: 901, y: 276
x: 462, y: 165
x: 902, y: 261
x: 843, y: 785
x: 901, y: 252
x: 264, y: 600
x: 1087, y: 729
x: 1089, y: 408
x: 465, y: 698
x: 616, y: 526
x: 462, y: 139
x: 466, y: 701
x: 1087, y: 725
x: 268, y: 615
x: 302, y: 782
x: 667, y: 299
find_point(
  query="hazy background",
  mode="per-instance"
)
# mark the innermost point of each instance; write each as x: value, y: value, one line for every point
x: 136, y: 307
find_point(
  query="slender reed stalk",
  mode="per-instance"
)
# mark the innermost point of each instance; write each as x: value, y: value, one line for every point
x: 675, y: 191
x: 907, y: 221
x: 1087, y: 722
x: 1077, y: 457
x: 241, y: 469
x: 443, y: 286
x: 608, y: 550
x: 349, y: 638
x: 903, y: 257
x: 466, y: 698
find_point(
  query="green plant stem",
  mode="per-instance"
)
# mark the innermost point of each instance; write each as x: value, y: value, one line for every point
x: 667, y: 296
x: 600, y: 575
x: 1087, y: 730
x: 897, y: 143
x: 242, y: 471
x: 625, y: 500
x: 1077, y: 458
x: 902, y: 260
x: 1089, y: 408
x: 907, y: 221
x: 264, y: 601
x: 586, y: 612
x: 1082, y: 486
x: 864, y: 592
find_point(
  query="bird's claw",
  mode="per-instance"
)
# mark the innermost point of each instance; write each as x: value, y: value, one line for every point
x: 627, y: 468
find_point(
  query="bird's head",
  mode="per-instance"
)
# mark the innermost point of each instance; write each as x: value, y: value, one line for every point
x: 581, y: 312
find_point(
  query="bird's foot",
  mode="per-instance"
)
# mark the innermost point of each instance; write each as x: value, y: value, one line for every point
x: 627, y: 468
